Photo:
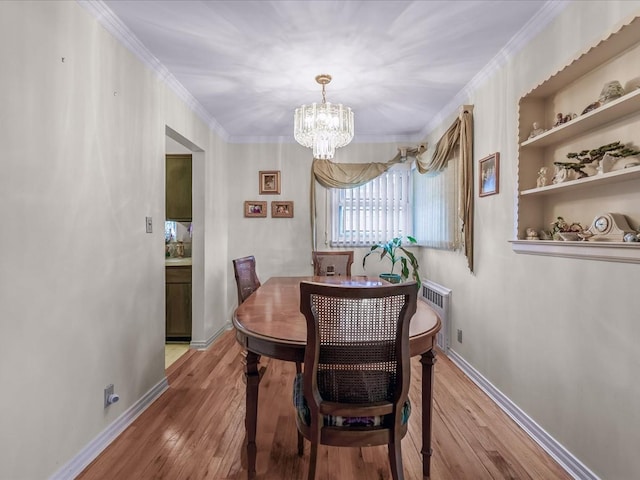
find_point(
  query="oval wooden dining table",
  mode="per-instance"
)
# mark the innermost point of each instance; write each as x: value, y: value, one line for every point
x: 269, y: 323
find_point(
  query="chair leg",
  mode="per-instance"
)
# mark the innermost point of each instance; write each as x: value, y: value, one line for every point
x: 313, y: 457
x: 300, y: 437
x: 395, y: 460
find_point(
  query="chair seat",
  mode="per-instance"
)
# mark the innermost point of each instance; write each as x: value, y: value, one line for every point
x: 304, y: 414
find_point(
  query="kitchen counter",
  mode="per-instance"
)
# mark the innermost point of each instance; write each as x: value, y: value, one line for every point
x: 178, y: 262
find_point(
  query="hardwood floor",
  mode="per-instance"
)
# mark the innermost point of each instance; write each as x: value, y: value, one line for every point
x: 195, y: 431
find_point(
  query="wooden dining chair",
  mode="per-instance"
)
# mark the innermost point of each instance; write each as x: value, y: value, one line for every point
x: 355, y: 386
x: 336, y: 263
x: 247, y: 280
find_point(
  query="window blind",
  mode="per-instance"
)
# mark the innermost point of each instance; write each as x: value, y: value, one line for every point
x: 374, y: 212
x: 436, y: 222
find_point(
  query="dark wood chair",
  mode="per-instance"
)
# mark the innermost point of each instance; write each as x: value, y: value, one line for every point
x: 355, y: 386
x: 336, y: 263
x: 247, y: 280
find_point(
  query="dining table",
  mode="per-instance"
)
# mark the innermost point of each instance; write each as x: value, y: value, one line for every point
x: 269, y: 323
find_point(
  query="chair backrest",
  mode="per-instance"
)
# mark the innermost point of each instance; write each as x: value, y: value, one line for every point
x: 357, y: 346
x: 333, y: 263
x: 247, y: 280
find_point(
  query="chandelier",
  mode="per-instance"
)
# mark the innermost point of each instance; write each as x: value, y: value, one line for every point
x: 325, y: 126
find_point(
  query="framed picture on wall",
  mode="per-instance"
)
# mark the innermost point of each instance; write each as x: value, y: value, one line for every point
x: 489, y: 175
x: 270, y: 182
x: 282, y: 209
x: 254, y: 208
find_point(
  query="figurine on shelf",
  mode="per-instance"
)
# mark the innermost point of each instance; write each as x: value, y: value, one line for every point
x: 601, y: 160
x: 591, y: 106
x: 545, y: 235
x: 611, y: 91
x: 536, y: 130
x: 571, y: 166
x: 532, y: 234
x: 559, y: 120
x: 562, y: 119
x: 560, y: 175
x: 542, y: 177
x: 560, y: 226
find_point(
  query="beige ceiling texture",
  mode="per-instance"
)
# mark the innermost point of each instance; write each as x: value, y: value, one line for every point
x: 400, y: 65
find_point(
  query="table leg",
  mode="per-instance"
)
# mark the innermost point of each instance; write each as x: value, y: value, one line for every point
x: 427, y: 360
x: 251, y: 414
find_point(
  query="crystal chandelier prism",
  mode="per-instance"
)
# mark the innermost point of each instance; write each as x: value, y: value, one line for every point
x: 325, y: 126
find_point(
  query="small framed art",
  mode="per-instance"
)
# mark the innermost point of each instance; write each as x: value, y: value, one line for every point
x: 282, y: 209
x: 270, y: 182
x: 255, y: 208
x: 489, y: 174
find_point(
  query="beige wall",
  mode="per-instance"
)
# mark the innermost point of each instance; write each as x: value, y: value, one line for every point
x: 282, y: 246
x: 558, y: 336
x: 82, y: 297
x: 82, y: 284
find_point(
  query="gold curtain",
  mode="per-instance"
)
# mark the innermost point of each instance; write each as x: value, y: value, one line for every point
x: 351, y: 175
x: 460, y: 133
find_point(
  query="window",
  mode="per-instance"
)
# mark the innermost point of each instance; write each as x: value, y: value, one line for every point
x: 436, y: 222
x: 374, y: 212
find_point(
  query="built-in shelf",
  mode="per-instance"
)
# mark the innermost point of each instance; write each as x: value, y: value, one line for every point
x: 601, y: 179
x: 615, y: 110
x: 615, y: 57
x: 625, y: 252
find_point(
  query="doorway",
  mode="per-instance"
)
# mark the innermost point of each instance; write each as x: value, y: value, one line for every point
x: 184, y: 269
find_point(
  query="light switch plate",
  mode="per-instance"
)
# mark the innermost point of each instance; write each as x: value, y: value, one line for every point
x: 149, y: 222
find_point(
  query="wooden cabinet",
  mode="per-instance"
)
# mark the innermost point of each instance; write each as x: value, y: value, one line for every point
x: 617, y: 190
x: 178, y: 187
x: 178, y: 303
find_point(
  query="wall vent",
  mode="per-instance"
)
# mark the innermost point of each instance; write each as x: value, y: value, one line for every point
x: 438, y: 298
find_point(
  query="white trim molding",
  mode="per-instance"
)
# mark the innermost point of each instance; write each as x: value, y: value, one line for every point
x: 112, y: 23
x: 557, y: 451
x: 84, y: 457
x: 535, y: 25
x: 203, y: 345
x: 623, y: 252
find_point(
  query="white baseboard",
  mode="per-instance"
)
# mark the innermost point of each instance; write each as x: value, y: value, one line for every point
x: 78, y: 463
x: 207, y: 343
x: 560, y: 454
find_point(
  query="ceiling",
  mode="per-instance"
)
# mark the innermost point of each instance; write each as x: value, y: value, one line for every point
x: 400, y: 65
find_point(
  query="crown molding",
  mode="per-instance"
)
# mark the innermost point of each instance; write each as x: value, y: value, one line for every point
x: 544, y: 16
x: 105, y: 16
x: 110, y: 21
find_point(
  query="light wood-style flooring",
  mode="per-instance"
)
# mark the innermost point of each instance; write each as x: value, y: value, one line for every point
x: 195, y: 431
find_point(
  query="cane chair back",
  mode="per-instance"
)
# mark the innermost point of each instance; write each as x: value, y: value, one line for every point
x: 247, y: 280
x: 356, y: 376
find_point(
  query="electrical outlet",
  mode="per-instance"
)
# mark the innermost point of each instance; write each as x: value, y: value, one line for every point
x: 108, y: 391
x: 460, y: 335
x: 149, y: 223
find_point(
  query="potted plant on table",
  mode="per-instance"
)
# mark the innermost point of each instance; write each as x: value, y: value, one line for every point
x: 397, y: 253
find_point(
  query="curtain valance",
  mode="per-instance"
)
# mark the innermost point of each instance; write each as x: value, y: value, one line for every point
x: 350, y: 175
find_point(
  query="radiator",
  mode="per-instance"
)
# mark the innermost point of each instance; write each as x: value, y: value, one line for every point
x: 439, y: 298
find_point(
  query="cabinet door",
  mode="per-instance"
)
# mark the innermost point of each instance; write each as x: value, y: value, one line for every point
x: 178, y: 187
x: 178, y: 308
